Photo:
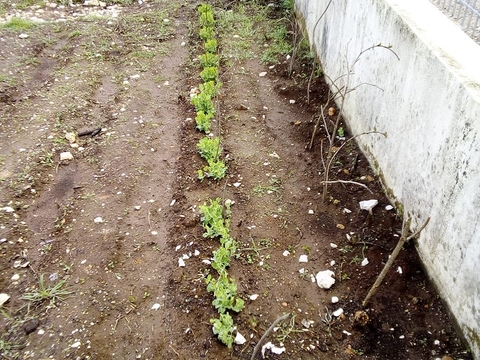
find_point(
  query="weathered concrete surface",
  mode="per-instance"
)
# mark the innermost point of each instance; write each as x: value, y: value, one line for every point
x: 430, y: 109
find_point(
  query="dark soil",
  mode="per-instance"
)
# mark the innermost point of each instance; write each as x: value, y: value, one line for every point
x: 131, y: 76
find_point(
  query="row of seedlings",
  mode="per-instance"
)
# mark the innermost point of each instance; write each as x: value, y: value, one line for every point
x: 209, y: 147
x: 216, y: 226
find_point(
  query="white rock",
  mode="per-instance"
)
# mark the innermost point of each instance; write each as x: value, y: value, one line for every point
x: 98, y: 220
x: 4, y: 298
x: 196, y: 253
x: 303, y: 258
x: 173, y: 202
x: 155, y: 306
x: 292, y: 101
x: 67, y: 155
x: 240, y: 339
x: 286, y: 253
x: 254, y: 297
x: 154, y: 232
x: 41, y: 332
x: 23, y: 36
x: 237, y: 184
x: 368, y: 205
x: 332, y: 262
x: 311, y: 212
x: 274, y: 349
x: 325, y: 279
x: 346, y: 332
x: 138, y: 207
x: 76, y: 344
x: 262, y: 74
x: 71, y: 137
x: 399, y: 270
x: 334, y: 299
x: 365, y: 262
x: 388, y: 207
x: 333, y: 246
x: 15, y: 277
x: 338, y: 312
x: 8, y: 209
x: 347, y: 211
x: 181, y: 263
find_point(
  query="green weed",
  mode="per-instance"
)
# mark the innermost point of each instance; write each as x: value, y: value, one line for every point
x: 18, y: 24
x: 51, y: 294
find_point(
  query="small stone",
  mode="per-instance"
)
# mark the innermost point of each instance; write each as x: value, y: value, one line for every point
x: 4, y: 298
x: 98, y: 220
x: 23, y: 36
x: 365, y: 262
x: 334, y: 299
x: 311, y: 212
x: 181, y: 262
x: 368, y: 205
x: 325, y: 279
x: 388, y: 207
x: 15, y: 277
x: 254, y: 297
x: 138, y: 207
x: 67, y: 155
x: 292, y: 101
x: 8, y: 209
x: 41, y: 332
x: 154, y: 232
x: 341, y: 226
x: 303, y: 258
x: 76, y: 344
x: 31, y: 325
x: 333, y: 246
x: 284, y: 304
x: 262, y: 74
x: 71, y: 137
x: 155, y: 306
x: 240, y: 339
x: 286, y: 253
x: 237, y: 184
x: 338, y: 312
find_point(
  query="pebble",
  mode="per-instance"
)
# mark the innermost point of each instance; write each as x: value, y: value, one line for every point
x: 31, y: 325
x: 67, y: 155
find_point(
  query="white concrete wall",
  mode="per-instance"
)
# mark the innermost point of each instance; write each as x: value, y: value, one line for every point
x: 430, y: 109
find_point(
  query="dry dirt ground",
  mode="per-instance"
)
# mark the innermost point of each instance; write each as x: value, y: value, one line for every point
x: 105, y: 230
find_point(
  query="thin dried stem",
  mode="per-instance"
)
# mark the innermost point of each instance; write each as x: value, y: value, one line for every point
x: 403, y: 239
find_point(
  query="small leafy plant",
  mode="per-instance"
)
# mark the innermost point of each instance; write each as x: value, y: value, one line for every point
x: 210, y: 150
x: 223, y: 328
x: 58, y: 292
x: 209, y: 74
x: 204, y: 121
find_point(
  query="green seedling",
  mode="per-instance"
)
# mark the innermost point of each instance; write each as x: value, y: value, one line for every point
x: 210, y: 88
x: 215, y: 170
x: 207, y: 33
x: 203, y: 102
x: 209, y: 74
x: 208, y: 59
x: 52, y: 294
x: 209, y: 148
x: 225, y: 291
x: 223, y: 328
x: 206, y: 19
x: 204, y: 121
x: 212, y: 219
x: 211, y: 46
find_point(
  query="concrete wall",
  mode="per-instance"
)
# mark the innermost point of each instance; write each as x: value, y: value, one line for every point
x: 430, y: 109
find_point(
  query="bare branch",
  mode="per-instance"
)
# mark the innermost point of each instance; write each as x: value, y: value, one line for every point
x: 348, y: 182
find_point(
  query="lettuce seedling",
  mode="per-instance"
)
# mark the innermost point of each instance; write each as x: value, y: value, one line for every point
x: 223, y: 328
